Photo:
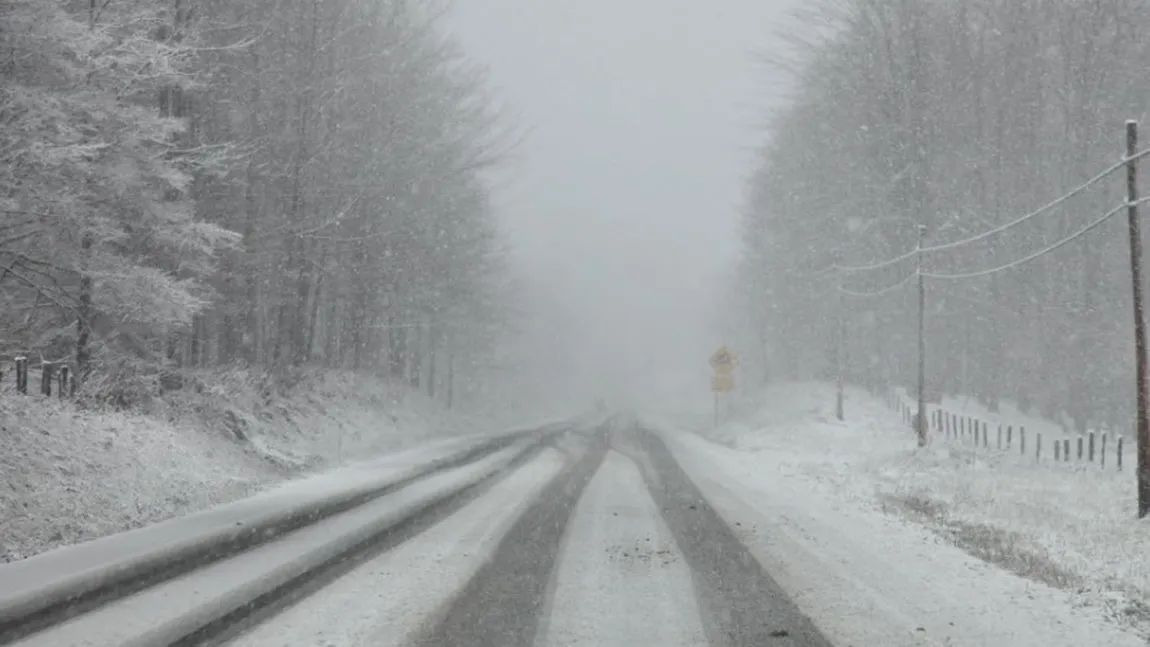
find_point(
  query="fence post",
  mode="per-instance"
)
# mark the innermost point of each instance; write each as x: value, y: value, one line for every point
x: 1066, y: 450
x: 985, y: 435
x: 1079, y: 446
x: 1000, y: 435
x: 1038, y: 447
x: 1057, y: 450
x: 22, y: 375
x: 1009, y: 436
x: 46, y: 379
x: 1102, y: 454
x: 1091, y: 447
x: 62, y: 387
x: 1120, y: 443
x: 1022, y: 440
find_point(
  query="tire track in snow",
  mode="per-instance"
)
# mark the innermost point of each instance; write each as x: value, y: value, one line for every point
x: 741, y: 605
x: 502, y: 604
x: 383, y: 602
x: 265, y: 608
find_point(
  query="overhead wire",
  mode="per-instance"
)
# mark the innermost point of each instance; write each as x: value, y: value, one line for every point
x: 1041, y: 210
x: 1026, y: 259
x: 877, y: 293
x: 875, y: 266
x: 997, y: 230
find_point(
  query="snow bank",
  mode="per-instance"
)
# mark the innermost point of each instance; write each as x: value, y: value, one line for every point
x: 176, y: 609
x: 69, y: 474
x: 1069, y: 527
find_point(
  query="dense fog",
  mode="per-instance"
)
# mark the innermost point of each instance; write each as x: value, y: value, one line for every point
x: 622, y: 204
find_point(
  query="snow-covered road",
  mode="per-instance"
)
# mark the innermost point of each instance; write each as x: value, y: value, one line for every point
x: 622, y: 580
x: 578, y: 547
x: 615, y: 535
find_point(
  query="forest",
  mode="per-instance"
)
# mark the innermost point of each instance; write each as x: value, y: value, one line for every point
x: 275, y: 184
x: 967, y: 143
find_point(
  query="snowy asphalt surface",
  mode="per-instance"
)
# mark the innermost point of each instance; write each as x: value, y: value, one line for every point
x: 611, y: 545
x: 582, y: 537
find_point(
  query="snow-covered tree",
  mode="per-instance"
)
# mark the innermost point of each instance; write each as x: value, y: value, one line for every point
x: 283, y: 183
x: 959, y: 117
x: 105, y: 255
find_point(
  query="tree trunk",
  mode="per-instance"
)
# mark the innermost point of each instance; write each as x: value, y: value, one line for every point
x: 432, y: 341
x: 415, y: 355
x: 84, y: 319
x: 450, y: 380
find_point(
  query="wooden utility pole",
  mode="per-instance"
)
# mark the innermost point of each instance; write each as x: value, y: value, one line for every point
x: 920, y: 422
x: 1135, y: 233
x: 840, y: 351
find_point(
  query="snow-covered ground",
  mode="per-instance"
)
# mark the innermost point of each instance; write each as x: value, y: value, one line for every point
x: 68, y: 473
x: 882, y: 543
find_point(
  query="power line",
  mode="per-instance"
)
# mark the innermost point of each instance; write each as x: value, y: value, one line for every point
x: 997, y: 230
x: 1039, y: 253
x: 876, y: 266
x: 1041, y: 210
x: 877, y: 293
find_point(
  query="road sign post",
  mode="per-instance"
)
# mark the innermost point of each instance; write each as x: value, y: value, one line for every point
x: 723, y: 361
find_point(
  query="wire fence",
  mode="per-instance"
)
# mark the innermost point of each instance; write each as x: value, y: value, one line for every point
x: 1101, y: 448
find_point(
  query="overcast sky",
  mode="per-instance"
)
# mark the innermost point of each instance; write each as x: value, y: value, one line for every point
x: 623, y: 201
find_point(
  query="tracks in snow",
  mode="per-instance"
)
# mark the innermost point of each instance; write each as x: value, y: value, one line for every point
x: 565, y: 537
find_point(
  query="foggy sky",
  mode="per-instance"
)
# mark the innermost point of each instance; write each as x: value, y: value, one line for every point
x: 623, y: 201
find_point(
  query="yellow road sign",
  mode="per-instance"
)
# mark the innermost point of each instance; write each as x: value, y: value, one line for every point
x: 723, y: 383
x: 723, y: 360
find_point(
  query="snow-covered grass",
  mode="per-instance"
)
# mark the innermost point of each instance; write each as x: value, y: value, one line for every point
x: 1070, y: 526
x: 70, y: 473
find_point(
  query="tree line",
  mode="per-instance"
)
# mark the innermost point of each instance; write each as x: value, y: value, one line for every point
x: 275, y: 183
x: 943, y: 120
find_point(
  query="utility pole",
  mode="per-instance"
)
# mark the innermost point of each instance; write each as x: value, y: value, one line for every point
x: 840, y: 351
x: 920, y: 422
x: 1143, y: 425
